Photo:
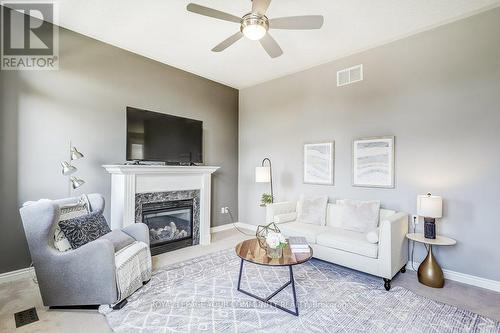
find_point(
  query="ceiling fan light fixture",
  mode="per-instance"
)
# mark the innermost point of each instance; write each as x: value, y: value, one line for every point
x: 254, y: 26
x: 254, y: 31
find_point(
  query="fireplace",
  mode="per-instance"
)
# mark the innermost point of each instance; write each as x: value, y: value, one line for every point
x: 170, y: 224
x: 172, y: 218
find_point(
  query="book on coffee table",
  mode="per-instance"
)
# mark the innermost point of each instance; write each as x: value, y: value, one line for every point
x: 298, y: 244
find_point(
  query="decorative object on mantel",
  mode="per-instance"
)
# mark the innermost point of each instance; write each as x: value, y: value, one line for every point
x: 373, y: 162
x: 319, y: 163
x: 275, y: 243
x: 430, y: 207
x: 68, y: 169
x: 263, y: 230
x: 264, y: 174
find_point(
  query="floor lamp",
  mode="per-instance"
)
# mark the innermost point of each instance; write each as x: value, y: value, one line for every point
x: 264, y: 174
x: 68, y: 169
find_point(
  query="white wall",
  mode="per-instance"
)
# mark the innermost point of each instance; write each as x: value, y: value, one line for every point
x: 85, y: 101
x: 437, y: 92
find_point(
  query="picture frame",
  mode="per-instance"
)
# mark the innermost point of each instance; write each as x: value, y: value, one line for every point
x: 319, y: 163
x: 373, y: 162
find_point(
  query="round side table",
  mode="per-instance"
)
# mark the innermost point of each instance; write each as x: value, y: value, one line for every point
x: 429, y: 271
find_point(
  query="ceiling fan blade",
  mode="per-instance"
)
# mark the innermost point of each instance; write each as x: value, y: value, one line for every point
x: 297, y: 22
x: 260, y: 6
x: 227, y: 42
x: 206, y: 11
x: 271, y: 46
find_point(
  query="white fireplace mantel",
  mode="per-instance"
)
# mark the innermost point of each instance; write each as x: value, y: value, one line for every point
x: 128, y: 180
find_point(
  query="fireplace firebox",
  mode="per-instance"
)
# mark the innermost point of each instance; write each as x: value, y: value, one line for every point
x: 170, y: 224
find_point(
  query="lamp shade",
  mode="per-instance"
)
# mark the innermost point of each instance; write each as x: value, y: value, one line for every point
x: 75, y: 154
x: 430, y: 206
x: 263, y: 174
x: 67, y: 169
x: 76, y: 182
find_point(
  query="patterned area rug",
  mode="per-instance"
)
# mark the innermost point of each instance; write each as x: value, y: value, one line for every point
x: 200, y: 296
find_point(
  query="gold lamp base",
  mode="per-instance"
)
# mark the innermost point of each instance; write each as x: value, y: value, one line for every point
x: 429, y: 271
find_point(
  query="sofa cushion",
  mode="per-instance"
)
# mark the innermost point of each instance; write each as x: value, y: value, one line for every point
x: 312, y: 210
x: 347, y: 240
x: 360, y: 216
x: 287, y: 217
x: 298, y: 229
x: 84, y: 229
x: 119, y: 239
x: 333, y: 215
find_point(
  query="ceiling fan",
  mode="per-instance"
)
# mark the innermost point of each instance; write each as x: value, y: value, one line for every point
x: 255, y: 25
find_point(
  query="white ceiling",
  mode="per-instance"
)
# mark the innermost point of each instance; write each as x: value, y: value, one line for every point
x: 164, y: 31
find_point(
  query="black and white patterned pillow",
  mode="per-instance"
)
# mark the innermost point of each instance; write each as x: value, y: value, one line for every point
x: 84, y: 229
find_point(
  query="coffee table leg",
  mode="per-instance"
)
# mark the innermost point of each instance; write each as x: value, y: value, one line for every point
x: 268, y: 298
x: 293, y: 291
x: 239, y: 277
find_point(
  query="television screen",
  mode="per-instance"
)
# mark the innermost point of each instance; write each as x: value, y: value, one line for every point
x: 153, y: 136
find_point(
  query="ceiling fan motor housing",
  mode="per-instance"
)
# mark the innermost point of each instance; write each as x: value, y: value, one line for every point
x: 251, y: 20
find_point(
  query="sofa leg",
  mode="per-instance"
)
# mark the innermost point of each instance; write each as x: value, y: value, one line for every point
x: 120, y: 305
x: 387, y: 284
x: 403, y: 269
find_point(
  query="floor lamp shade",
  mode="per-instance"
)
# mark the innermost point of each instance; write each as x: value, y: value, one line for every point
x: 67, y: 169
x: 263, y: 174
x: 76, y: 182
x: 75, y: 154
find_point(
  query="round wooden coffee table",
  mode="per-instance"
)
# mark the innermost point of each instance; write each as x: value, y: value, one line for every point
x: 251, y: 251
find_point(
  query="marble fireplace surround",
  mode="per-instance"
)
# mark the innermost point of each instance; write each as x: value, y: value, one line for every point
x: 127, y: 181
x: 152, y: 197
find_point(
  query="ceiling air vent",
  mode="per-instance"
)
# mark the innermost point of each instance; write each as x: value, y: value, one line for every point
x: 349, y: 75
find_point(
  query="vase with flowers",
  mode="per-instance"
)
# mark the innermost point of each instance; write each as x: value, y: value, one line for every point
x: 276, y: 242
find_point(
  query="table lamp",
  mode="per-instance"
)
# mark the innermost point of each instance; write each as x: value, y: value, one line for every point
x: 430, y: 207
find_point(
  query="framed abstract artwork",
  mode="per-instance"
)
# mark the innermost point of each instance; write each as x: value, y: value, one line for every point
x: 319, y: 163
x: 373, y: 162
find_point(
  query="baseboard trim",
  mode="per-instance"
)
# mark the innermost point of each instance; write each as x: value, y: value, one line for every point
x: 221, y: 228
x: 231, y: 226
x: 16, y: 275
x: 472, y: 280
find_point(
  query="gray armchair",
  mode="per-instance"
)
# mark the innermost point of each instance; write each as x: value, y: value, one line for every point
x: 84, y: 276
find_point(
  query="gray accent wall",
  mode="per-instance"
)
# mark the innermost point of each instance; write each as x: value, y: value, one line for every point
x: 84, y: 101
x: 437, y: 92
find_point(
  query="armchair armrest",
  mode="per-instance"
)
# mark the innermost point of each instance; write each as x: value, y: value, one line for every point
x: 393, y: 249
x: 138, y: 231
x: 281, y: 208
x: 86, y: 273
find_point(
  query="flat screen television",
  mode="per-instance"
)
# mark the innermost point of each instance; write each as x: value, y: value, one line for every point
x: 159, y: 137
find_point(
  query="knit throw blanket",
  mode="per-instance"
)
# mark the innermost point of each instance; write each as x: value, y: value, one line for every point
x: 133, y: 266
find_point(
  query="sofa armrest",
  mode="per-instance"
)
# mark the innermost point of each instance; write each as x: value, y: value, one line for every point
x: 280, y: 208
x: 82, y: 276
x: 393, y: 245
x: 138, y: 231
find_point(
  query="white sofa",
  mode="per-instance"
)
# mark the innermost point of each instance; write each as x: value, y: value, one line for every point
x: 348, y: 248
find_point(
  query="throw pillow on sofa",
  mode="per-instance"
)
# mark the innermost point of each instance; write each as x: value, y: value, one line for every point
x: 312, y: 210
x: 66, y: 212
x: 84, y: 229
x: 360, y: 216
